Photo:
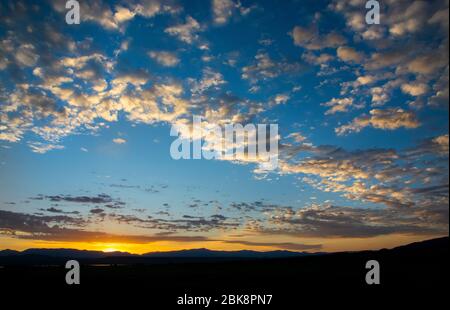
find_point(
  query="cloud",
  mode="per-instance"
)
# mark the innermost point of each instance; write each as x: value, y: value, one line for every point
x: 95, y: 11
x: 428, y: 63
x: 187, y: 32
x: 119, y: 141
x: 399, y: 57
x: 105, y: 91
x: 265, y: 68
x: 185, y: 223
x: 333, y: 221
x: 415, y: 89
x: 99, y: 199
x: 440, y: 97
x: 96, y: 211
x: 338, y: 105
x: 401, y: 18
x: 435, y: 146
x: 388, y: 119
x: 55, y: 210
x: 317, y: 59
x: 441, y: 142
x: 42, y: 148
x: 297, y: 137
x: 281, y: 98
x: 379, y: 96
x: 64, y: 228
x: 223, y: 10
x: 309, y: 38
x: 284, y: 246
x: 49, y: 228
x: 150, y: 8
x: 53, y: 106
x: 114, y: 18
x: 349, y: 54
x: 10, y: 222
x: 365, y: 80
x: 26, y: 56
x: 123, y: 14
x: 388, y: 58
x: 167, y: 59
x: 388, y: 177
x: 210, y: 80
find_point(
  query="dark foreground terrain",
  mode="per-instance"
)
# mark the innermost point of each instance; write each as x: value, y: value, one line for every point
x: 415, y: 271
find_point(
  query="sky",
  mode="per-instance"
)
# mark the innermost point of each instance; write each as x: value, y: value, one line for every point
x: 86, y: 112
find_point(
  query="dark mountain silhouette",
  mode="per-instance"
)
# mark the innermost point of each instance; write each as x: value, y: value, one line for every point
x: 194, y: 253
x: 429, y: 245
x: 58, y: 256
x: 73, y: 253
x: 205, y: 253
x: 8, y: 252
x: 407, y: 272
x: 439, y: 244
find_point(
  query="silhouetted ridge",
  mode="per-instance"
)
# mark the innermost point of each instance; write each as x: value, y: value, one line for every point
x: 36, y: 256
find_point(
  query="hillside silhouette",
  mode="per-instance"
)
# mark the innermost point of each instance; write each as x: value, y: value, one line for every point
x: 418, y: 267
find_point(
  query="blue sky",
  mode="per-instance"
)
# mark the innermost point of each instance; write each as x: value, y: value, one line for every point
x: 86, y: 112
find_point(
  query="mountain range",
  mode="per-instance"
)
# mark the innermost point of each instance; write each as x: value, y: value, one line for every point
x: 194, y: 253
x: 56, y: 255
x: 165, y: 275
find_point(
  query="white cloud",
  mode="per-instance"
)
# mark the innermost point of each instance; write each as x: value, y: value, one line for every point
x: 365, y: 80
x: 119, y: 141
x: 187, y: 32
x: 349, y: 54
x: 26, y: 55
x: 265, y: 67
x: 281, y: 99
x: 210, y: 79
x: 42, y: 148
x: 415, y: 89
x: 338, y: 105
x: 310, y: 38
x: 223, y: 10
x: 379, y: 96
x: 317, y: 59
x: 389, y: 119
x: 123, y: 14
x: 100, y: 12
x: 165, y: 58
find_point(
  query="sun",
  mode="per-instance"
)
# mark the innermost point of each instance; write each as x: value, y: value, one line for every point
x: 110, y: 250
x: 111, y: 247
